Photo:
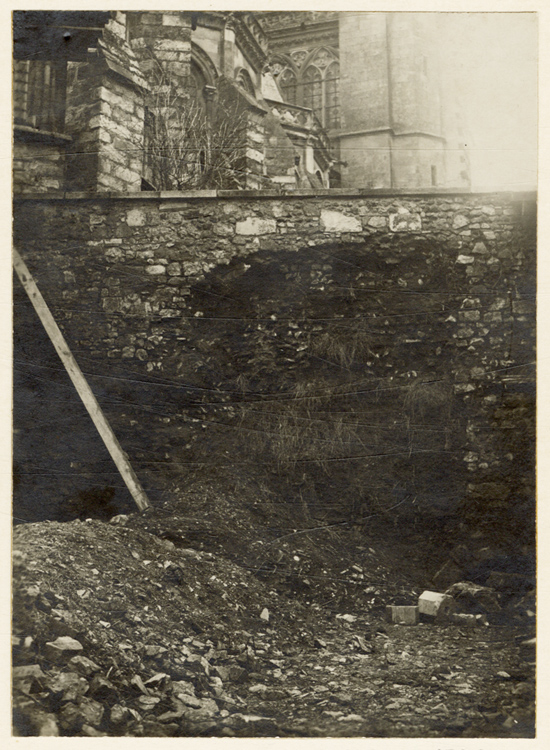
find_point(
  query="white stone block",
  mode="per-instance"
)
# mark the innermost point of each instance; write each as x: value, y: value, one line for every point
x: 405, y: 222
x: 254, y: 225
x: 434, y: 604
x: 377, y: 221
x: 334, y: 221
x: 135, y: 218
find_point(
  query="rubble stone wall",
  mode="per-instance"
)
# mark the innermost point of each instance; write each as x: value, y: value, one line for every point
x: 204, y: 289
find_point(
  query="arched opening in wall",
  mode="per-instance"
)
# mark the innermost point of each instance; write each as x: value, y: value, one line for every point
x: 288, y: 83
x: 194, y: 137
x: 197, y: 85
x: 313, y: 91
x: 245, y: 81
x: 357, y: 385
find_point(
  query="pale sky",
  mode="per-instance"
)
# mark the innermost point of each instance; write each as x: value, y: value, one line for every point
x: 493, y: 58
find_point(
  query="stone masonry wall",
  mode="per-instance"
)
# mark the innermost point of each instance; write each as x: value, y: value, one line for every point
x: 197, y: 301
x: 38, y: 167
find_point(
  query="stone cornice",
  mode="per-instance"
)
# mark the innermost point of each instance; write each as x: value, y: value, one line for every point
x: 317, y: 34
x: 527, y: 196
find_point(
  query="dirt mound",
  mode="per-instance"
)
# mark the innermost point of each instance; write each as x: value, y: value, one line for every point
x: 182, y: 622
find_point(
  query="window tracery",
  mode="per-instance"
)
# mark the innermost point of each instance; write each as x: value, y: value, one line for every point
x: 311, y: 81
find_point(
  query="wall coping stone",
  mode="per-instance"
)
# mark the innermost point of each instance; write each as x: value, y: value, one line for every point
x: 175, y: 195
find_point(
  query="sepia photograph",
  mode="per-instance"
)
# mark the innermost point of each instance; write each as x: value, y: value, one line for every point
x: 274, y: 374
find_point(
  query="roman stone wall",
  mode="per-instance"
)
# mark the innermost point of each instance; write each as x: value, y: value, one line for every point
x: 192, y: 313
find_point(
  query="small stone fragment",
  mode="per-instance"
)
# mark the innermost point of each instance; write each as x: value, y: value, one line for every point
x: 137, y: 683
x: 351, y: 717
x: 346, y: 618
x: 119, y: 715
x: 69, y: 686
x: 158, y: 680
x: 147, y: 702
x: 32, y: 670
x: 91, y: 712
x: 84, y: 666
x: 62, y: 649
x: 101, y: 687
x: 264, y: 615
x: 89, y: 731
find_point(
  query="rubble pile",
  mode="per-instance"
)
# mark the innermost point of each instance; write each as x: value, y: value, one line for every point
x: 119, y: 632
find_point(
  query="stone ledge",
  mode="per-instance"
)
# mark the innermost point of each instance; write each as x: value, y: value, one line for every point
x: 176, y: 195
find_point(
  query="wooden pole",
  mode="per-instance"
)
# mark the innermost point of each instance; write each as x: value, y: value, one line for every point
x: 80, y: 383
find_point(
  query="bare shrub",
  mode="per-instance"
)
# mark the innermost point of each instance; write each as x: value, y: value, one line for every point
x: 185, y: 146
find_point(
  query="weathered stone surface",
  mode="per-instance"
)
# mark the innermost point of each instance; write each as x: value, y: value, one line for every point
x: 473, y: 598
x: 90, y: 711
x: 69, y: 686
x: 255, y: 226
x: 32, y: 670
x: 163, y: 330
x: 62, y: 649
x: 378, y: 222
x: 405, y: 222
x: 135, y: 217
x: 433, y: 604
x: 334, y: 221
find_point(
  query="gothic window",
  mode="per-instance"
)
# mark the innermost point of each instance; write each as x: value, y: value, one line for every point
x: 313, y: 90
x: 197, y: 82
x: 39, y: 94
x: 289, y: 86
x: 331, y: 104
x: 245, y: 82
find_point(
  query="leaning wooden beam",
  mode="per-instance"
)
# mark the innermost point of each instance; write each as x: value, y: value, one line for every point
x: 80, y: 383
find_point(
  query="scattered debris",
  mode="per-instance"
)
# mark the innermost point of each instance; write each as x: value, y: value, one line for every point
x: 188, y: 655
x: 472, y: 598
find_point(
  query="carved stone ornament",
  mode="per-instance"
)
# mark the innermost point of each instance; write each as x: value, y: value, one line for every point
x: 323, y: 58
x: 298, y: 57
x: 276, y: 68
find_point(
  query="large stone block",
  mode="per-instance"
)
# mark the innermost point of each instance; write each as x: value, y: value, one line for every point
x: 402, y: 615
x: 405, y: 222
x: 135, y: 218
x: 255, y: 226
x: 335, y: 221
x: 435, y: 605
